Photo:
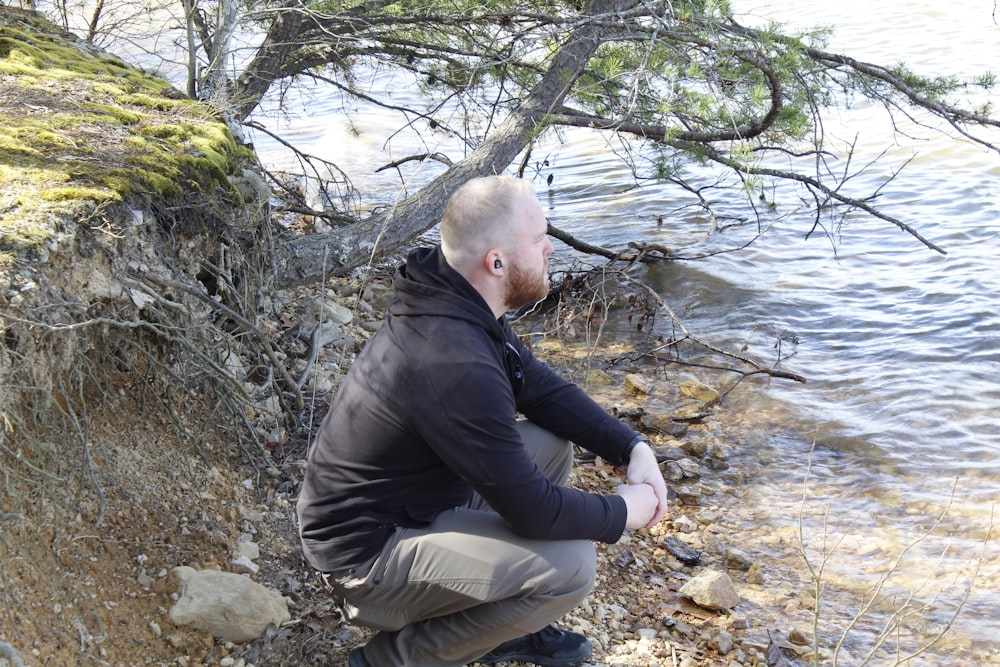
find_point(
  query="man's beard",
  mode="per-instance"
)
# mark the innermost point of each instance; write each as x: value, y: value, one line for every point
x: 524, y: 288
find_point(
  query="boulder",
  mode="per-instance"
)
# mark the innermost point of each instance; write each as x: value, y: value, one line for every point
x: 229, y: 606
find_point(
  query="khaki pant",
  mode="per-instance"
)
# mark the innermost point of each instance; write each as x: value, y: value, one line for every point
x: 446, y: 594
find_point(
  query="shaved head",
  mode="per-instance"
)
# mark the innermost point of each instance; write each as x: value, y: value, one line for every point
x: 480, y: 216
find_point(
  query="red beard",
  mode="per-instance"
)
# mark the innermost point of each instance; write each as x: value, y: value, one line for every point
x: 524, y: 288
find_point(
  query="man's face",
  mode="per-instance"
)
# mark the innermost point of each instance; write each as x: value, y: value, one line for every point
x: 527, y: 266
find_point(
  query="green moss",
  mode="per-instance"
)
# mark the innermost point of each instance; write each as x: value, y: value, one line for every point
x: 116, y: 114
x: 153, y: 102
x: 217, y: 155
x: 19, y: 57
x: 35, y: 54
x: 19, y: 232
x: 83, y: 129
x: 79, y: 193
x: 112, y: 89
x: 164, y: 186
x: 168, y: 132
x: 11, y: 146
x: 22, y: 173
x: 43, y: 140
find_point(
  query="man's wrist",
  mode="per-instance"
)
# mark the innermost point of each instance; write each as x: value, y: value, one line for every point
x: 627, y: 452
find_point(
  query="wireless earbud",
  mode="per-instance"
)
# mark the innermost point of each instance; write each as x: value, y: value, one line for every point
x: 497, y: 263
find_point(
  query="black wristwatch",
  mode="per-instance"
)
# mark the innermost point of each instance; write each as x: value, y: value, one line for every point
x: 627, y: 454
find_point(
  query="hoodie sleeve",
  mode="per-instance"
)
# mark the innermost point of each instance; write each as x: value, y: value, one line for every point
x: 563, y: 408
x: 472, y: 429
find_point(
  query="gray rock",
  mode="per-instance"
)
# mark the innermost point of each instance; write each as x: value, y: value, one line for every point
x: 681, y: 469
x: 689, y: 495
x: 685, y: 524
x: 245, y: 546
x: 668, y: 453
x: 636, y: 384
x: 712, y: 590
x: 229, y: 606
x: 738, y: 559
x: 322, y: 310
x: 681, y: 550
x: 689, y: 467
x: 663, y: 424
x: 721, y: 642
x: 325, y: 333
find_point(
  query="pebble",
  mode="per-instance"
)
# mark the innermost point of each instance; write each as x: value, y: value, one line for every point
x: 797, y: 636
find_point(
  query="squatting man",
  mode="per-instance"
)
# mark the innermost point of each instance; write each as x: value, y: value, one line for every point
x: 434, y: 500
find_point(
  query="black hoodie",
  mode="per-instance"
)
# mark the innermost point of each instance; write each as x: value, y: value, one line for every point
x: 427, y: 415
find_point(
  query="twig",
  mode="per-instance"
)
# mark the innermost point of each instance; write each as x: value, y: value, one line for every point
x: 314, y: 347
x: 395, y: 164
x: 247, y: 326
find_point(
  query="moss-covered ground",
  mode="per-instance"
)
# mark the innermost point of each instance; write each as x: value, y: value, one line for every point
x: 81, y: 131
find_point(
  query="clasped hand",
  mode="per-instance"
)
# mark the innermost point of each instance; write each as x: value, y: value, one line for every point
x: 646, y: 493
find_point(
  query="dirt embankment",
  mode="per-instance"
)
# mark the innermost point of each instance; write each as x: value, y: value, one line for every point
x: 129, y: 225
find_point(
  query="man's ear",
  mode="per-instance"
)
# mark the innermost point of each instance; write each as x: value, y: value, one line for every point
x: 494, y: 262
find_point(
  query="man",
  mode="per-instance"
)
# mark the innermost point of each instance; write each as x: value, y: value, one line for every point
x: 436, y: 515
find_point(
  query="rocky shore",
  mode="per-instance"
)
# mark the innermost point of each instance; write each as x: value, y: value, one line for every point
x: 673, y: 595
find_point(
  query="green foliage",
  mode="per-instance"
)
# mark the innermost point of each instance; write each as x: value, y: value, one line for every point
x: 935, y: 88
x: 684, y: 76
x: 986, y: 80
x: 683, y: 65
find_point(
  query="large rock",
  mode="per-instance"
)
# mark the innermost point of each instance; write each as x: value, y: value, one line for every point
x: 229, y: 606
x: 712, y: 590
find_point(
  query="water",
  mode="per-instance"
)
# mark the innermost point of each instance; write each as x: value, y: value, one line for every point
x: 897, y: 426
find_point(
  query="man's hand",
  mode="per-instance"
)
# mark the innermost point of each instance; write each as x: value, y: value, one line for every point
x: 640, y: 502
x: 643, y: 469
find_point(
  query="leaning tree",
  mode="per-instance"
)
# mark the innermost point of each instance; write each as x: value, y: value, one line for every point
x: 683, y: 81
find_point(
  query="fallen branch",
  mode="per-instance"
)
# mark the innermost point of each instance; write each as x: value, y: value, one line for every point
x: 759, y: 368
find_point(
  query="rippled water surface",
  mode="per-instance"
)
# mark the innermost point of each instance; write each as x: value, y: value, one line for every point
x: 898, y: 425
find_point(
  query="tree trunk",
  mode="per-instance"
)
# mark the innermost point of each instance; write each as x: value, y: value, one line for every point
x: 306, y: 258
x: 267, y: 65
x: 215, y: 79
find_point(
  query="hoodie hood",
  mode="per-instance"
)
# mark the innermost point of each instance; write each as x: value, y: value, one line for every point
x: 426, y: 285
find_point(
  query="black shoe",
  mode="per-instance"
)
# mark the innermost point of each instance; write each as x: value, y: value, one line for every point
x: 356, y: 658
x: 549, y: 647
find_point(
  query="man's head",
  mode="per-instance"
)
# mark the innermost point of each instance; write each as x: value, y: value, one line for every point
x: 493, y: 232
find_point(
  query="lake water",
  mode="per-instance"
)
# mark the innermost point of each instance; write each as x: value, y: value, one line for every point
x: 896, y: 435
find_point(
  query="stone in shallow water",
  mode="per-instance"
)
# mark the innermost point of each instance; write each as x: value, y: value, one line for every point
x: 636, y: 384
x: 698, y: 391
